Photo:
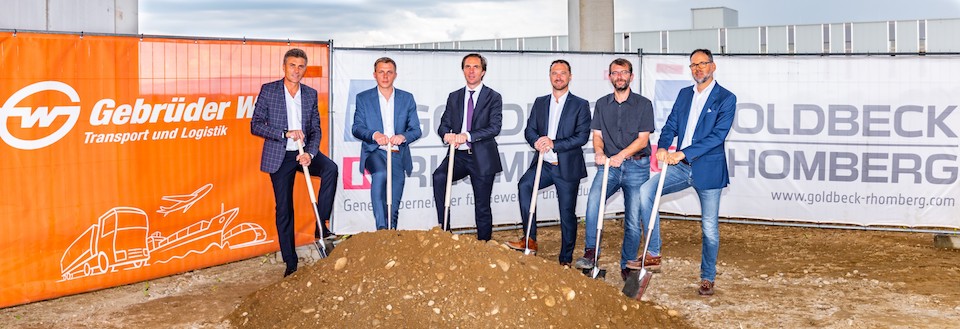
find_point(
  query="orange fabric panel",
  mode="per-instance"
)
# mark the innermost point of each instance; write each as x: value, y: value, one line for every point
x: 127, y: 159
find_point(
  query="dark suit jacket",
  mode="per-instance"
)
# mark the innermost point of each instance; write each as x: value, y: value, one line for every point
x: 706, y: 150
x: 367, y: 120
x: 270, y: 120
x: 572, y: 133
x: 487, y: 120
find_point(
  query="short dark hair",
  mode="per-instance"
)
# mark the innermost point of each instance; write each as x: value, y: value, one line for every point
x: 560, y: 61
x: 704, y: 51
x: 621, y: 62
x: 387, y: 60
x: 483, y: 61
x: 295, y: 52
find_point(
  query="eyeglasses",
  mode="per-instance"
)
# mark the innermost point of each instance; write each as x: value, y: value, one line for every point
x: 700, y: 65
x: 620, y: 73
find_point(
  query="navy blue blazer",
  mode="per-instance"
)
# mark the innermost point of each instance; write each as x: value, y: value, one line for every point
x: 270, y: 120
x: 367, y: 120
x: 572, y: 133
x: 487, y: 120
x: 706, y: 150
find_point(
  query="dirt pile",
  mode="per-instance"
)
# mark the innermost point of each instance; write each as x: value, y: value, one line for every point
x: 419, y: 279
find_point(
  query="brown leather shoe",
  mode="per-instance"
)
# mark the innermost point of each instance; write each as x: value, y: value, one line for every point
x: 706, y: 288
x: 520, y: 245
x: 652, y: 263
x: 624, y: 273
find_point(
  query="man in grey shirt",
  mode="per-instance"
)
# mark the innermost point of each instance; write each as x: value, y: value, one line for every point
x: 622, y: 123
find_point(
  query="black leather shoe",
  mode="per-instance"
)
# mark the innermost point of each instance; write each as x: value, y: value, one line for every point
x: 288, y: 271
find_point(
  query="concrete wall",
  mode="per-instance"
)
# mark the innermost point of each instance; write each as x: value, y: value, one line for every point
x: 93, y: 16
x: 590, y: 24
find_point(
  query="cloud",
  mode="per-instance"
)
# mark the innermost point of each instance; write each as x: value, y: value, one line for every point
x: 377, y: 22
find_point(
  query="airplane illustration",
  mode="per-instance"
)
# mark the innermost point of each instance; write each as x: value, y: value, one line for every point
x: 184, y: 201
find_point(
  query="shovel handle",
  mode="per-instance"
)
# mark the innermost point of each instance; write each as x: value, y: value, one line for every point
x: 306, y: 174
x: 446, y: 203
x: 389, y: 185
x: 533, y: 199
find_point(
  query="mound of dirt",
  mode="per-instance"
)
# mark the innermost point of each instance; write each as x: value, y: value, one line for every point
x: 419, y: 279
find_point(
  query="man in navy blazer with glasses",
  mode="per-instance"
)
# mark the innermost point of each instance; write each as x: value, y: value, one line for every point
x: 700, y: 121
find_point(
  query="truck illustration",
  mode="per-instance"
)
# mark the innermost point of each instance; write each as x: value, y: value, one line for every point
x: 116, y: 241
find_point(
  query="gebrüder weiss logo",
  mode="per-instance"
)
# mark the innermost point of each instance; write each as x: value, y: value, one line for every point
x: 42, y: 116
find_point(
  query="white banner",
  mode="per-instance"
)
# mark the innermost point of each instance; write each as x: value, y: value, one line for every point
x: 853, y: 140
x: 430, y: 77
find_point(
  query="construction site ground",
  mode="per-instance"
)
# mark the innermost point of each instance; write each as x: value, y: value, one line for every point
x: 768, y: 277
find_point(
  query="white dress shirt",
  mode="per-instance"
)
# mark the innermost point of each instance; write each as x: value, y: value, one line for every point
x: 553, y: 122
x: 294, y: 111
x: 696, y: 107
x: 466, y: 99
x: 386, y: 114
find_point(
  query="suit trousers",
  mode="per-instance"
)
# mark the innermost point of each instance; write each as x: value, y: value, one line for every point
x: 465, y: 164
x: 283, y: 181
x: 377, y: 166
x: 566, y: 197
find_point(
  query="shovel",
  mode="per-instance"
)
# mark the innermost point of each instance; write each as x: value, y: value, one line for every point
x: 533, y: 206
x: 446, y: 203
x: 596, y: 271
x: 637, y: 281
x: 321, y: 245
x: 389, y: 186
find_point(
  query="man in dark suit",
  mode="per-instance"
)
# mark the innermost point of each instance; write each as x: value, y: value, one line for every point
x: 700, y: 119
x: 286, y: 112
x: 470, y: 121
x: 558, y: 126
x: 386, y: 115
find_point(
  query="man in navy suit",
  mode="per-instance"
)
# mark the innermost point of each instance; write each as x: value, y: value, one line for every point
x: 700, y: 119
x: 558, y: 126
x: 286, y: 112
x: 386, y: 115
x: 470, y: 122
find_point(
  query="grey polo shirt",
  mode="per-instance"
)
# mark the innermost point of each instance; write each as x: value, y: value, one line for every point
x: 620, y: 123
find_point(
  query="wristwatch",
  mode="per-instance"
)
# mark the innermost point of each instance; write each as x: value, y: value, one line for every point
x: 285, y: 133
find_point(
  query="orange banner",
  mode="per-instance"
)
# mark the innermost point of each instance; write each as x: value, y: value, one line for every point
x: 126, y: 159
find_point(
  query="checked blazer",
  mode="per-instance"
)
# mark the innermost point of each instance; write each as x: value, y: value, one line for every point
x: 270, y: 120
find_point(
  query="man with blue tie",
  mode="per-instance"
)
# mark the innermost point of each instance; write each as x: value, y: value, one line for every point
x: 471, y: 120
x: 386, y: 121
x: 558, y: 127
x: 286, y: 114
x: 700, y: 119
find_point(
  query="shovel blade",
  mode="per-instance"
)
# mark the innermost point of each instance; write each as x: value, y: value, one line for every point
x: 595, y: 272
x: 636, y: 284
x: 322, y: 248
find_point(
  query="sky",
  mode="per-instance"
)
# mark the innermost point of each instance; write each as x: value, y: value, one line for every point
x: 358, y: 23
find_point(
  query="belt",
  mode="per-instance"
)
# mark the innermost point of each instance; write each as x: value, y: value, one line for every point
x: 637, y: 157
x: 468, y: 151
x: 554, y: 163
x: 685, y: 162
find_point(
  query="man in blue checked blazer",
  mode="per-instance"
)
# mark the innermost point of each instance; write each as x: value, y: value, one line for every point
x: 287, y: 112
x: 386, y: 115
